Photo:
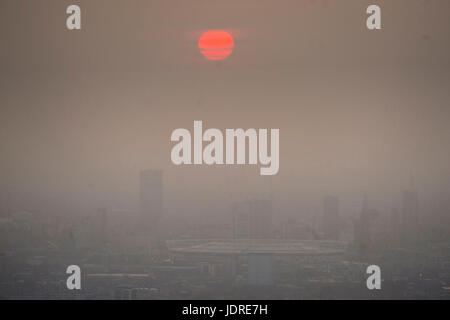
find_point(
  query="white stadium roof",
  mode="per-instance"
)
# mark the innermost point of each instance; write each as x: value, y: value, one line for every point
x: 257, y: 246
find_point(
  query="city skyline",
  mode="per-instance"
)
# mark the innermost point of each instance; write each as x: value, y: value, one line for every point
x: 220, y: 150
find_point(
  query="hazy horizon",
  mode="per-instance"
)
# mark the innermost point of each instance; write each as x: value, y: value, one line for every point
x: 83, y: 112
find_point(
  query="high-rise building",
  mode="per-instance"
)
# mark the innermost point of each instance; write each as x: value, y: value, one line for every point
x: 363, y: 228
x: 394, y: 227
x: 241, y: 219
x: 151, y: 193
x: 330, y: 219
x: 410, y: 216
x: 99, y: 225
x: 252, y: 219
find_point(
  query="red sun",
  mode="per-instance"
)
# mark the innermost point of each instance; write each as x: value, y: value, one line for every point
x: 216, y: 44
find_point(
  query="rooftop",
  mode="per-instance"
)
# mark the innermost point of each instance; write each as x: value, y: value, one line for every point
x: 255, y: 246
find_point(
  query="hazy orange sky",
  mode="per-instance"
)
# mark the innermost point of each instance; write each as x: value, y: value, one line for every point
x: 83, y: 111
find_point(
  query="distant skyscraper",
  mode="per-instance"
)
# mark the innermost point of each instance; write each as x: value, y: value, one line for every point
x: 394, y: 227
x: 410, y: 216
x: 100, y: 225
x: 241, y: 219
x: 252, y: 219
x: 363, y: 228
x: 330, y: 220
x: 151, y: 192
x: 261, y: 219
